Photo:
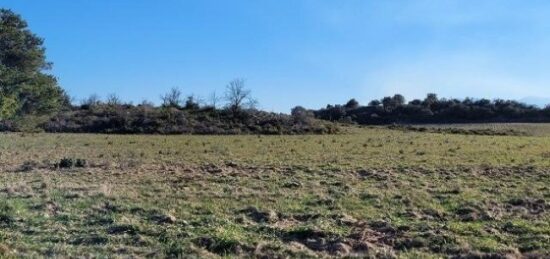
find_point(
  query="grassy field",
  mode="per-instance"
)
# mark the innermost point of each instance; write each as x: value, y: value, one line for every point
x: 529, y: 129
x: 370, y: 192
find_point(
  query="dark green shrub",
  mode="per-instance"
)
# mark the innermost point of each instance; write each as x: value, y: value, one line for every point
x: 65, y: 163
x: 80, y: 162
x: 72, y: 162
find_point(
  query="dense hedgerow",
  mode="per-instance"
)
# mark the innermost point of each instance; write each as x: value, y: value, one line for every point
x: 146, y: 119
x: 433, y: 110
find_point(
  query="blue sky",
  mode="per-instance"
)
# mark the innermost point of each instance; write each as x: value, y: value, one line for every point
x: 307, y: 52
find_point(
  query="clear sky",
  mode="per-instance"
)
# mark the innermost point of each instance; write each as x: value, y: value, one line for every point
x: 307, y: 52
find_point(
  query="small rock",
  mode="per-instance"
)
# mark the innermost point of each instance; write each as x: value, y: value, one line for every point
x: 347, y: 220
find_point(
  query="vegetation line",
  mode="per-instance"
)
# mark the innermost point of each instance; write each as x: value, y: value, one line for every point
x: 32, y: 100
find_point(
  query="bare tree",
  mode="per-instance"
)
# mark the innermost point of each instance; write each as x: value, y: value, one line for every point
x: 172, y: 98
x: 146, y: 103
x: 237, y: 96
x: 113, y: 100
x: 214, y: 99
x: 92, y: 100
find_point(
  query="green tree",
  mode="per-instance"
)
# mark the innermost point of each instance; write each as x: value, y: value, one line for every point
x: 431, y: 100
x: 24, y: 87
x: 398, y: 100
x: 352, y: 104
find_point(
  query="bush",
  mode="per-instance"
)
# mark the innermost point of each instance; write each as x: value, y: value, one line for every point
x: 71, y: 162
x: 30, y: 124
x: 127, y: 119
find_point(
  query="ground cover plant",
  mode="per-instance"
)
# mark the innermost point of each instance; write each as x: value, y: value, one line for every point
x: 371, y: 192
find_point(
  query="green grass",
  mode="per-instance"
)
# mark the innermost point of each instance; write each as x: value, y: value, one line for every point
x: 376, y: 147
x: 532, y: 129
x: 370, y: 192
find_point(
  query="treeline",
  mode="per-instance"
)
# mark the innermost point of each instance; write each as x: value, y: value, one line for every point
x: 32, y: 100
x: 176, y: 115
x: 395, y: 109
